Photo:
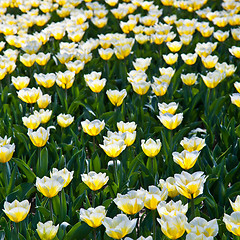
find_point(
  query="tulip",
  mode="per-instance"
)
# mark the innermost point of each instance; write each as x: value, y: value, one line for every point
x: 64, y: 120
x: 170, y: 184
x: 189, y: 58
x: 235, y: 51
x: 220, y: 35
x: 93, y: 128
x: 113, y: 148
x: 185, y: 159
x: 40, y: 137
x: 190, y: 185
x: 64, y: 173
x: 237, y: 86
x: 209, y: 61
x: 17, y: 211
x: 129, y: 138
x: 167, y: 71
x: 28, y: 59
x: 142, y: 64
x: 47, y: 231
x: 43, y: 101
x: 141, y: 87
x: 150, y: 147
x: 130, y: 203
x: 172, y: 208
x: 42, y: 59
x: 193, y: 144
x: 96, y: 85
x: 95, y: 181
x: 116, y: 97
x: 126, y: 127
x: 229, y: 70
x: 236, y: 205
x: 154, y: 196
x: 93, y: 216
x: 65, y: 80
x: 171, y: 58
x: 50, y: 187
x: 232, y: 223
x: 235, y: 99
x: 5, y: 141
x: 119, y: 226
x: 46, y: 80
x: 174, y: 46
x: 168, y: 108
x: 6, y: 152
x: 76, y: 66
x: 31, y: 122
x: 140, y: 238
x: 173, y: 226
x: 105, y: 54
x: 20, y: 82
x: 201, y: 227
x: 29, y: 95
x: 186, y: 39
x: 44, y: 115
x: 160, y: 89
x: 189, y: 79
x: 170, y: 121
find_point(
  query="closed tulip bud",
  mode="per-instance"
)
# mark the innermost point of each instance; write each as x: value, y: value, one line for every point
x: 6, y: 152
x: 40, y: 137
x: 235, y: 51
x: 200, y: 226
x: 168, y: 108
x: 171, y: 208
x: 64, y: 173
x: 154, y: 196
x: 189, y: 79
x: 170, y: 184
x: 119, y: 226
x: 44, y: 115
x: 20, y: 82
x: 116, y: 97
x: 173, y: 226
x: 93, y: 128
x: 93, y: 216
x: 95, y: 181
x: 50, y: 187
x: 113, y: 148
x: 193, y: 144
x: 126, y: 127
x: 141, y: 87
x: 185, y: 159
x: 171, y: 58
x: 129, y: 138
x: 47, y: 231
x: 43, y: 101
x: 130, y: 203
x: 170, y: 121
x: 29, y: 95
x: 31, y: 122
x: 64, y: 120
x: 190, y: 185
x: 17, y: 211
x: 209, y: 61
x: 105, y: 54
x: 150, y: 147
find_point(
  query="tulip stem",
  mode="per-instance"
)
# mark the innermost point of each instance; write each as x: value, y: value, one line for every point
x: 192, y: 207
x: 17, y: 229
x: 115, y: 170
x: 66, y: 97
x: 154, y: 224
x: 51, y: 208
x: 93, y: 199
x: 94, y: 144
x: 95, y: 234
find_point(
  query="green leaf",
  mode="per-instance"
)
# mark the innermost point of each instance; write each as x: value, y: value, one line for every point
x: 79, y: 229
